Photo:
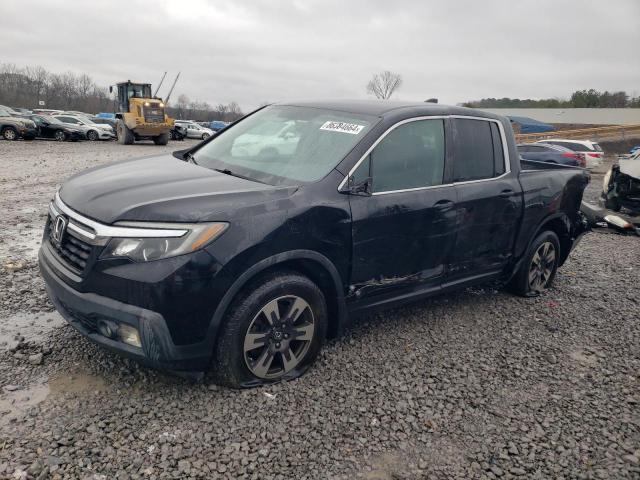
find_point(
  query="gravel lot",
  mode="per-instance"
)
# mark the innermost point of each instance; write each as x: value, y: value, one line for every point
x: 480, y: 384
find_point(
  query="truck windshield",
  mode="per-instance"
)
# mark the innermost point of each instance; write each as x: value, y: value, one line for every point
x: 284, y: 145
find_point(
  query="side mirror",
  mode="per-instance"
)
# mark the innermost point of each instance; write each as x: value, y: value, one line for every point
x: 362, y: 188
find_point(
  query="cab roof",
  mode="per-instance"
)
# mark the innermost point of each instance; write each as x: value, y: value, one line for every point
x: 381, y: 108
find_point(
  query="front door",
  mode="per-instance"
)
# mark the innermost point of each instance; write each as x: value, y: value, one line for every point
x: 404, y: 230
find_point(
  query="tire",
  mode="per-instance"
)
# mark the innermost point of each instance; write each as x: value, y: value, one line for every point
x: 60, y: 136
x: 124, y: 134
x: 93, y: 135
x: 252, y: 350
x: 171, y: 135
x: 9, y: 133
x: 161, y: 139
x: 205, y: 136
x: 539, y: 267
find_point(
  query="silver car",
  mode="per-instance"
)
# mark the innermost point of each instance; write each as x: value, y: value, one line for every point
x: 194, y: 130
x: 93, y: 131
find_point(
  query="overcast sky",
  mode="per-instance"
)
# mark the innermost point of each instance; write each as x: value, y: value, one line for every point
x: 253, y: 52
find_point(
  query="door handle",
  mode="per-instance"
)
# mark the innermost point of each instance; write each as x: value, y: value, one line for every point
x: 443, y: 204
x: 506, y: 193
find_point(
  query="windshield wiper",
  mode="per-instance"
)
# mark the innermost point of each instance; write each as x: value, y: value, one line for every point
x: 189, y: 157
x: 226, y: 171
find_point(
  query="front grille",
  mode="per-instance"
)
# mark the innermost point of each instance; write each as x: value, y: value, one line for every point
x: 73, y: 251
x: 154, y: 114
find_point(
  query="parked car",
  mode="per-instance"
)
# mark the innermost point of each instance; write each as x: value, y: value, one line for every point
x: 542, y: 152
x: 248, y: 263
x: 46, y: 111
x: 50, y: 127
x: 178, y: 132
x: 93, y: 131
x: 621, y: 185
x: 194, y: 130
x: 8, y: 110
x: 104, y: 121
x: 592, y: 151
x: 23, y: 111
x: 217, y: 125
x: 13, y: 127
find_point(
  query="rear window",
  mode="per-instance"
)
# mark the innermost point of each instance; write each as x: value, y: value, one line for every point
x: 597, y: 147
x: 477, y: 148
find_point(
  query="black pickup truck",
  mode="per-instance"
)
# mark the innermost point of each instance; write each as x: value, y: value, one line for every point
x: 249, y: 249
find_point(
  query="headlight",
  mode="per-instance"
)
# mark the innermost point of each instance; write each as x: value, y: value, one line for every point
x: 148, y: 249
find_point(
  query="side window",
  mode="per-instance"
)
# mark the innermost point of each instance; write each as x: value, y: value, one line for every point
x: 411, y: 156
x: 498, y: 151
x: 474, y: 157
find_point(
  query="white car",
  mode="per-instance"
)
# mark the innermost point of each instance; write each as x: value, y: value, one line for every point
x: 194, y: 130
x: 93, y: 131
x: 591, y: 151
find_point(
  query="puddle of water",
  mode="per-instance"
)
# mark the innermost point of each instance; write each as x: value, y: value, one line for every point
x: 15, y: 404
x: 34, y: 327
x: 76, y: 383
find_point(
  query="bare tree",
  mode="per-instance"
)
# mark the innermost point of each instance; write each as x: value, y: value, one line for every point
x: 383, y: 84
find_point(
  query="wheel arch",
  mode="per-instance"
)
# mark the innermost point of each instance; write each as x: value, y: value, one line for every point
x: 559, y: 224
x: 309, y: 263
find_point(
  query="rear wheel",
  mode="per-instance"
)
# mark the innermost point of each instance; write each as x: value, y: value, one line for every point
x: 124, y: 134
x: 273, y: 331
x: 9, y: 133
x: 161, y: 139
x: 539, y: 266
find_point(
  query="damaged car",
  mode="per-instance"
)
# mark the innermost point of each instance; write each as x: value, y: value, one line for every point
x: 247, y: 260
x: 621, y: 186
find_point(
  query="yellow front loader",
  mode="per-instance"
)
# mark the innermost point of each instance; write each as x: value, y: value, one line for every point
x: 140, y: 115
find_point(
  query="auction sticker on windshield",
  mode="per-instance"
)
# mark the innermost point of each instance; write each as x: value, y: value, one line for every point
x: 343, y: 127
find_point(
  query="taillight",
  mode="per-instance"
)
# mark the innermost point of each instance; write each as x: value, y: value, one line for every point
x: 597, y: 155
x: 577, y: 157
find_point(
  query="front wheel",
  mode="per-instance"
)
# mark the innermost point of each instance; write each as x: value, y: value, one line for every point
x: 92, y: 135
x: 539, y: 266
x: 10, y: 133
x: 124, y: 134
x: 205, y: 136
x: 60, y: 136
x: 162, y: 139
x: 273, y: 331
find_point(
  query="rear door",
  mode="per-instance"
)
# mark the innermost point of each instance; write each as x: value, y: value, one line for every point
x: 403, y: 232
x: 489, y: 200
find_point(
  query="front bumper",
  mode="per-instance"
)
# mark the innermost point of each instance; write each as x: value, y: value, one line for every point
x: 84, y: 311
x: 27, y: 132
x: 106, y: 134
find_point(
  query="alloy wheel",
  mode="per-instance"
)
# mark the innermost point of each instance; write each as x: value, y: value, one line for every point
x: 59, y: 135
x: 542, y: 265
x: 10, y: 134
x: 279, y: 337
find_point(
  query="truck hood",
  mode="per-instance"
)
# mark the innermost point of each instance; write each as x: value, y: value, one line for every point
x: 164, y: 189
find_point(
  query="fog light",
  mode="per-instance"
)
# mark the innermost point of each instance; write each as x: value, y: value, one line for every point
x: 107, y: 329
x: 129, y: 335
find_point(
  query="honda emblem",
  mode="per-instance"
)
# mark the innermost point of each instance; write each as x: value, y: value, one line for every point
x: 59, y: 227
